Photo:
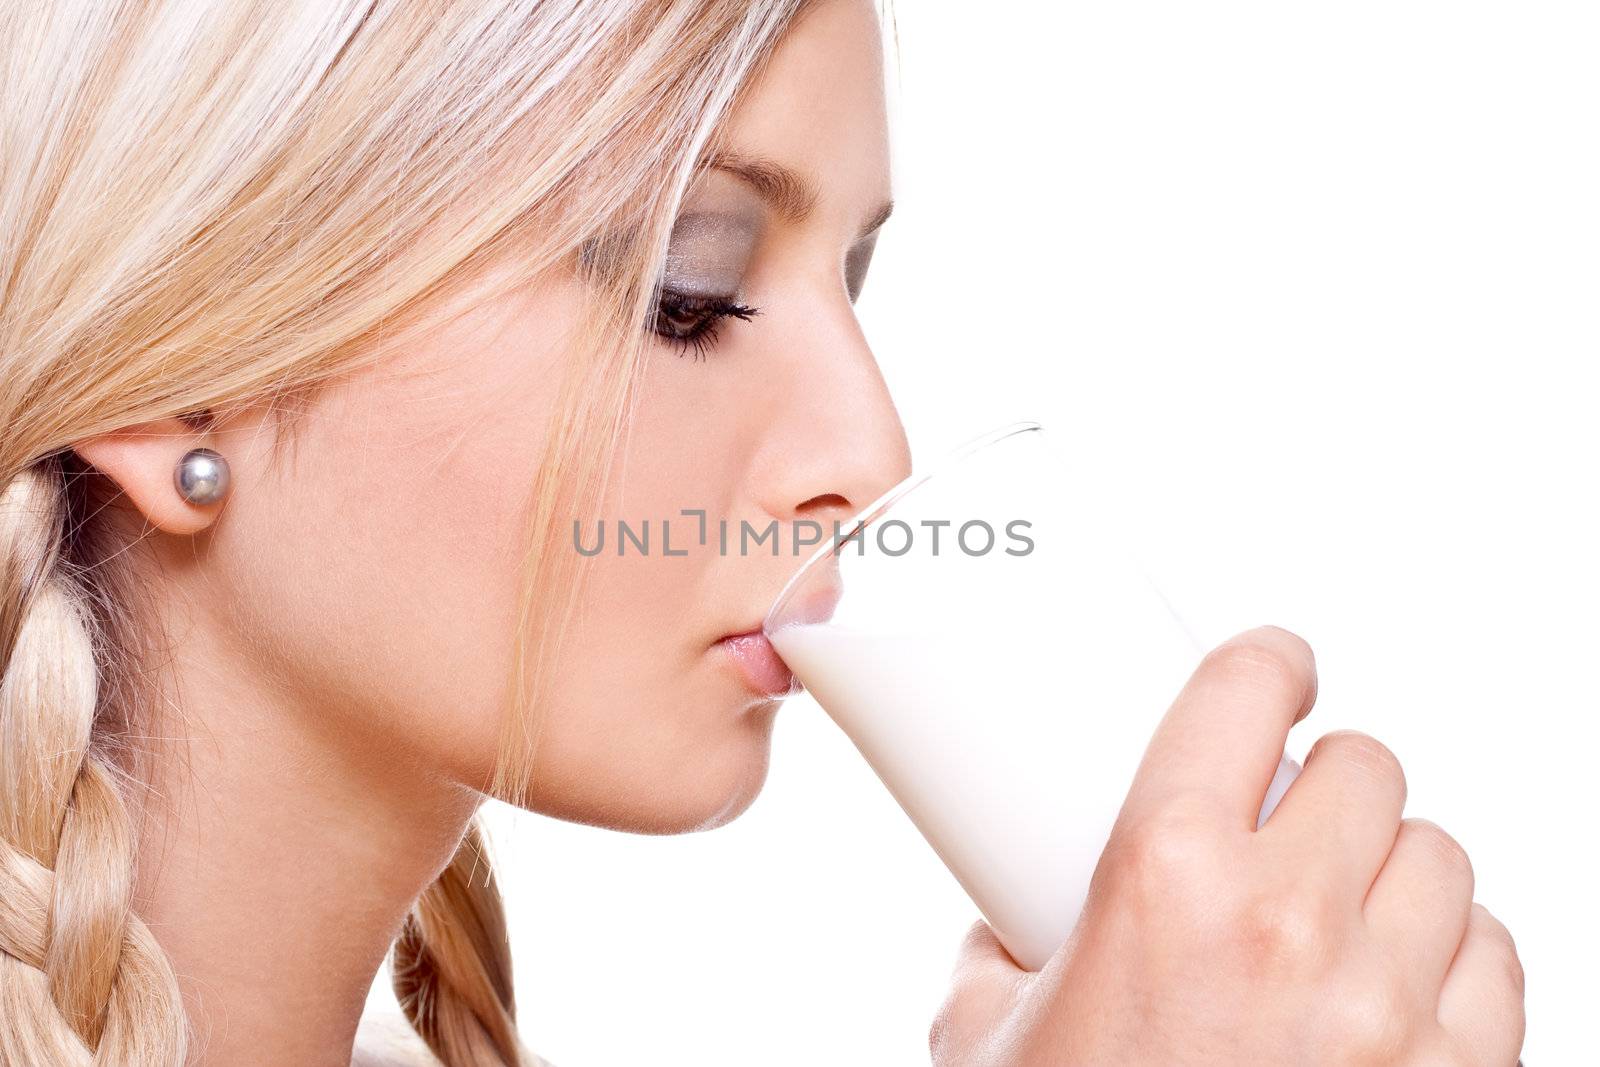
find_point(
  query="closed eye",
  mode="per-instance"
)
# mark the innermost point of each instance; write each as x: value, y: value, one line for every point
x: 690, y: 322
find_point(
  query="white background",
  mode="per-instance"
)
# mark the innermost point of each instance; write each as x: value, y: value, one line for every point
x: 1315, y: 290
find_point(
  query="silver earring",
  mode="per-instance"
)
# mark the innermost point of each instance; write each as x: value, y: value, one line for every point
x: 202, y: 476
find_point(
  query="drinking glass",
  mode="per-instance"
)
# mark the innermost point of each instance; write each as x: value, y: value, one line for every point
x: 1000, y: 660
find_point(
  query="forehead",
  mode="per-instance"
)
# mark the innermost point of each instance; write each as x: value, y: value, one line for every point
x: 818, y: 107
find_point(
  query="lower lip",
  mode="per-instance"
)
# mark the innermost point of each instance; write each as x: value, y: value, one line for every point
x: 756, y: 659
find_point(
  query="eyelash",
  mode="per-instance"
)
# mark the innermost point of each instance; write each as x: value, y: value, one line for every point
x: 707, y: 311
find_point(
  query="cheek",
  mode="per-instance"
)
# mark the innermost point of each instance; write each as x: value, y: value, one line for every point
x: 383, y: 551
x: 644, y: 729
x: 649, y: 729
x: 398, y: 612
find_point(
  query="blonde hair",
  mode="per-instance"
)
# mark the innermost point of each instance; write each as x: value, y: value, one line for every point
x: 207, y: 203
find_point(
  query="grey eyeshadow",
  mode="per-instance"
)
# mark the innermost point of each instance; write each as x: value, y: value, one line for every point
x: 709, y: 253
x: 856, y: 263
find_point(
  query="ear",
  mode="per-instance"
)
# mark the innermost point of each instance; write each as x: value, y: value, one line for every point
x: 143, y: 461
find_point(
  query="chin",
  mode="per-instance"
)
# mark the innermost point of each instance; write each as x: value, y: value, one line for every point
x: 732, y: 806
x: 717, y: 794
x: 710, y: 788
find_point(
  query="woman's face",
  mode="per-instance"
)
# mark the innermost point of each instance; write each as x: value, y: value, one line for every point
x: 370, y: 574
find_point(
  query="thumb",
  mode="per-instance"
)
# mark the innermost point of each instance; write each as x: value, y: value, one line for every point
x: 983, y: 961
x: 983, y: 987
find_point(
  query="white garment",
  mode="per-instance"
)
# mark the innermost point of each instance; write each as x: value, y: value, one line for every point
x: 386, y: 1039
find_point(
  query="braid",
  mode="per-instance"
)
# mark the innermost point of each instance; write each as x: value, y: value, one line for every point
x: 82, y: 981
x: 452, y: 966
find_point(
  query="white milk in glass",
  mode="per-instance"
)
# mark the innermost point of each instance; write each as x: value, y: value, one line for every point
x: 994, y: 803
x: 1014, y: 785
x: 1004, y: 698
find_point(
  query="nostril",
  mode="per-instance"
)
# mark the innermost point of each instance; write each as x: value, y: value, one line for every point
x: 822, y: 502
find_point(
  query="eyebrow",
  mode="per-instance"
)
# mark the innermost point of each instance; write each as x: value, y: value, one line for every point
x: 790, y: 193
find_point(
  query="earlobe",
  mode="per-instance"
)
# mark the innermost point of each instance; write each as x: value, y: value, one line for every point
x: 147, y: 463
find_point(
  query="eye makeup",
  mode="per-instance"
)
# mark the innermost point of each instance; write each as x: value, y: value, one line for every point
x: 709, y: 253
x: 715, y: 237
x: 713, y: 242
x: 856, y: 262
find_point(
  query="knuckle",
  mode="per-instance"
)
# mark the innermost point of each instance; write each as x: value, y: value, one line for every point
x: 1364, y: 755
x: 1369, y: 1014
x: 975, y: 939
x: 1272, y: 660
x: 1163, y: 856
x: 1516, y: 978
x: 1491, y: 925
x: 1294, y: 933
x: 1496, y: 931
x: 1443, y: 850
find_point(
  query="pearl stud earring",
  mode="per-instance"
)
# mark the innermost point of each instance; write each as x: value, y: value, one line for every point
x: 202, y: 476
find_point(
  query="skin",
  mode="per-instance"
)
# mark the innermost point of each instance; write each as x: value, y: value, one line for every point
x: 1337, y: 933
x: 340, y: 626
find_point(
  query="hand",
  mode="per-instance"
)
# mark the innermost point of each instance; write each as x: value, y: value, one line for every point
x: 1338, y: 933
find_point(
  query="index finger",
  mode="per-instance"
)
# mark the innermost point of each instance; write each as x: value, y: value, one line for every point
x: 1219, y: 744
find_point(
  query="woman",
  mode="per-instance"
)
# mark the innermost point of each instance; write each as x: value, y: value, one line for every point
x: 323, y: 322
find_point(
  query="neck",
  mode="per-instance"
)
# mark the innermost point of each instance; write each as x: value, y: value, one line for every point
x: 277, y: 863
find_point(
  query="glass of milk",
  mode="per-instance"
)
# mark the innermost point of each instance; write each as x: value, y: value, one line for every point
x: 1001, y: 663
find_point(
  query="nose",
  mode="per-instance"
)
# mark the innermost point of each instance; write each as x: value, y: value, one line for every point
x: 834, y: 441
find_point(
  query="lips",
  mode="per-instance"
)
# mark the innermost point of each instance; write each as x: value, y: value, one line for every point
x: 763, y: 669
x: 760, y: 664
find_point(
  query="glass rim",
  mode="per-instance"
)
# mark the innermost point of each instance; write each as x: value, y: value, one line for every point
x: 892, y: 496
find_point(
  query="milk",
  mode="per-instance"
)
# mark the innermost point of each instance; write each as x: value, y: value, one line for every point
x: 1010, y: 748
x: 1004, y: 697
